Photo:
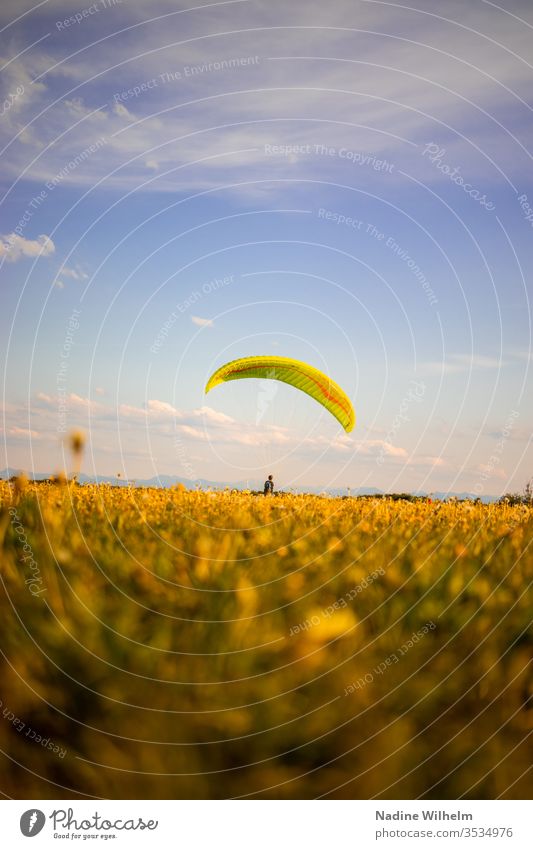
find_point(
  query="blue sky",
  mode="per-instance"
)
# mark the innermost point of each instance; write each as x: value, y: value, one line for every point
x: 349, y: 184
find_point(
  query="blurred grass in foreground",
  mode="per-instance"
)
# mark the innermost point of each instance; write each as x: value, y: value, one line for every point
x: 182, y: 644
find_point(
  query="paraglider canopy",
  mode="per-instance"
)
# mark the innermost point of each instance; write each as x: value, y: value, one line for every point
x: 296, y: 373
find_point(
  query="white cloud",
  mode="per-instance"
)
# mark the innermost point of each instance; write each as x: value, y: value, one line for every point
x: 120, y: 110
x: 205, y: 424
x: 378, y: 446
x: 72, y: 400
x: 129, y: 412
x: 202, y: 322
x: 398, y: 85
x: 523, y: 354
x: 459, y: 363
x: 77, y: 109
x: 256, y: 437
x: 47, y: 399
x: 156, y: 409
x: 69, y: 273
x: 220, y: 428
x: 491, y: 471
x: 83, y: 403
x: 161, y: 408
x: 23, y: 433
x: 514, y: 433
x: 14, y: 247
x: 347, y: 444
x: 213, y: 416
x: 427, y: 460
x: 193, y: 432
x: 73, y: 273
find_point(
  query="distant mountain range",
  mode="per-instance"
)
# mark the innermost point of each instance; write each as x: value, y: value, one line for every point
x: 167, y: 481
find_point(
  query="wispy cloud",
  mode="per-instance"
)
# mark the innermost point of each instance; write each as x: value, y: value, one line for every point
x: 521, y: 354
x: 73, y: 401
x: 490, y: 471
x: 23, y: 433
x: 14, y: 247
x: 206, y: 425
x: 202, y: 322
x: 76, y: 273
x: 427, y: 461
x: 156, y: 409
x: 457, y: 363
x: 345, y: 444
x: 157, y: 111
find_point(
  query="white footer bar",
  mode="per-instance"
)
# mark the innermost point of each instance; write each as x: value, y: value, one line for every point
x: 266, y: 824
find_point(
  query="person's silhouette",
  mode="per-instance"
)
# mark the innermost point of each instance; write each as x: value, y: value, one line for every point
x: 269, y: 486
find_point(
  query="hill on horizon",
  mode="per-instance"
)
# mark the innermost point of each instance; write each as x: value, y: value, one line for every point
x: 168, y: 481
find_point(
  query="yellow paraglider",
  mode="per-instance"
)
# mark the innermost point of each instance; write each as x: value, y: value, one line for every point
x: 296, y: 373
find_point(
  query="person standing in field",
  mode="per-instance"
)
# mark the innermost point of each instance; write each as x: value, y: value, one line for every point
x: 269, y: 486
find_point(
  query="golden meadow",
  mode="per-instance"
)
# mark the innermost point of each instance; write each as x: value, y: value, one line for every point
x: 183, y: 644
